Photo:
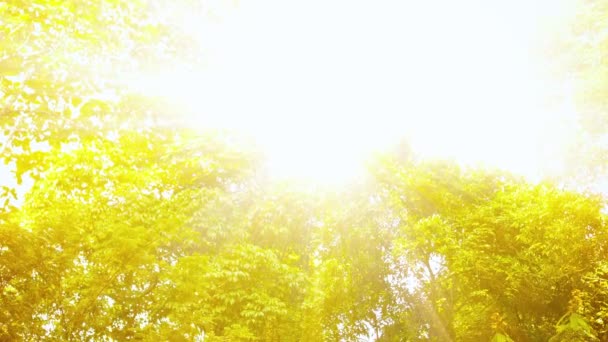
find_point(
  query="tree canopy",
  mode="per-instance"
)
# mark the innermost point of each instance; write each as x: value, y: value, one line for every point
x: 136, y: 228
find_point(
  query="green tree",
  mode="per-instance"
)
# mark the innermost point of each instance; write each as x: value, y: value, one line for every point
x: 485, y: 253
x: 135, y: 228
x: 112, y: 220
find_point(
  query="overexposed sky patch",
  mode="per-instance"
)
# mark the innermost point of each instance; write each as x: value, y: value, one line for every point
x: 320, y: 84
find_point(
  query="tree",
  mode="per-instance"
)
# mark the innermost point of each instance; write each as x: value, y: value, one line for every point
x: 113, y: 220
x: 485, y: 253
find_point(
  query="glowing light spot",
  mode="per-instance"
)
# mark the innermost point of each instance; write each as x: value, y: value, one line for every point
x: 321, y: 84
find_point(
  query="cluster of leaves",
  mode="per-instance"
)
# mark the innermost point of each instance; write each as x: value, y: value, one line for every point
x: 63, y: 67
x: 490, y: 255
x: 141, y: 239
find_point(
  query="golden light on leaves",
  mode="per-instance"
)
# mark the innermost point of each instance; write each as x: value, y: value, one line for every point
x: 132, y: 220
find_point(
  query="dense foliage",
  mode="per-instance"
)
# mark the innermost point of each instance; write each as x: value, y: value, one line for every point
x: 138, y: 229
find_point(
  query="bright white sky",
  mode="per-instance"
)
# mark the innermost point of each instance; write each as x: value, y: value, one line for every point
x: 321, y: 83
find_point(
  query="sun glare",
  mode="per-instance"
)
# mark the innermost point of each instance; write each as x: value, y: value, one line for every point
x: 321, y: 84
